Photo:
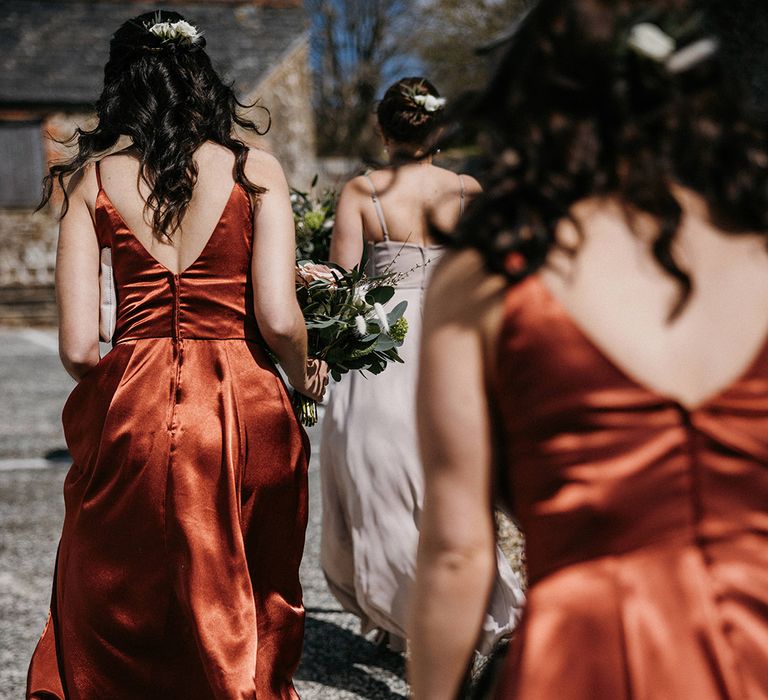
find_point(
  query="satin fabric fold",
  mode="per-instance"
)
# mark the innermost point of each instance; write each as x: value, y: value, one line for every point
x: 186, y: 503
x: 646, y: 524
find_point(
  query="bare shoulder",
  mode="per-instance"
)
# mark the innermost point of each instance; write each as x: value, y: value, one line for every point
x: 121, y: 158
x: 356, y: 187
x: 463, y: 291
x: 354, y: 193
x: 263, y: 168
x: 471, y: 185
x: 82, y: 186
x: 83, y: 181
x: 450, y: 178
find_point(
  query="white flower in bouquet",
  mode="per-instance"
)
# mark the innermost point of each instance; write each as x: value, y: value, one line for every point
x: 346, y: 323
x: 358, y: 296
x: 382, y: 316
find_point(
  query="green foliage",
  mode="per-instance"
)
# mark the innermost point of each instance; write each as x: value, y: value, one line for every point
x: 398, y: 330
x: 313, y: 217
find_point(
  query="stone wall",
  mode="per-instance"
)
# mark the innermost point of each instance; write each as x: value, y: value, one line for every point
x: 28, y: 238
x: 27, y: 259
x: 287, y: 92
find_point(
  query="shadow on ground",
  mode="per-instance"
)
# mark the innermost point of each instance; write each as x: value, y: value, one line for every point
x: 325, y: 643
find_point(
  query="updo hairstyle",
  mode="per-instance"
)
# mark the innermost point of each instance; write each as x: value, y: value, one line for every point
x: 402, y: 116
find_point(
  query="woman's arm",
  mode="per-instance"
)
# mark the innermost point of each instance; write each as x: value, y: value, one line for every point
x: 347, y: 236
x: 77, y: 280
x: 278, y: 314
x: 456, y: 560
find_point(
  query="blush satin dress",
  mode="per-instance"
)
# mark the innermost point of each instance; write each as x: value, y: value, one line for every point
x: 178, y: 569
x: 646, y: 523
x: 373, y: 479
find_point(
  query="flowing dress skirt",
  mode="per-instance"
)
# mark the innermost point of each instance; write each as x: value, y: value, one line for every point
x: 373, y: 490
x: 186, y: 505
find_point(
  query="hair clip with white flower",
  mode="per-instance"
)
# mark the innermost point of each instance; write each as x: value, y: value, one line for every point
x: 181, y: 32
x: 430, y: 103
x: 650, y: 41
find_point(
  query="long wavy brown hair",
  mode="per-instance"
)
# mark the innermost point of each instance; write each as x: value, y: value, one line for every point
x: 574, y: 112
x: 168, y: 99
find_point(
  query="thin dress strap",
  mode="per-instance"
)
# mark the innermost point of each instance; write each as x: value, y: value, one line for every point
x: 379, y: 210
x: 462, y: 195
x: 98, y: 174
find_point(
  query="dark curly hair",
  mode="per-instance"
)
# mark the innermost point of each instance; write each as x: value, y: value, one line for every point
x: 402, y: 119
x: 167, y: 98
x: 573, y: 112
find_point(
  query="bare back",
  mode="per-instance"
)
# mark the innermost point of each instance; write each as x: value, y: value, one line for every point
x: 398, y: 204
x: 620, y: 300
x: 120, y: 182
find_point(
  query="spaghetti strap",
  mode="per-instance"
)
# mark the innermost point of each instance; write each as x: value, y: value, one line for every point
x: 379, y: 210
x: 462, y: 195
x: 98, y: 175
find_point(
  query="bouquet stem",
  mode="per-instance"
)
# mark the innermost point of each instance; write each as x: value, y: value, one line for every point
x: 306, y: 408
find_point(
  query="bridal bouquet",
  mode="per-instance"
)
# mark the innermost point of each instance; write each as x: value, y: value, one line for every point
x: 346, y: 322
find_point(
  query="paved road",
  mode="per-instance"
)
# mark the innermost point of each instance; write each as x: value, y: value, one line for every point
x: 337, y: 664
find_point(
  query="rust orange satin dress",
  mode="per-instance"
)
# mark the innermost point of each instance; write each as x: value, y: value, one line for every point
x: 646, y: 523
x: 178, y: 569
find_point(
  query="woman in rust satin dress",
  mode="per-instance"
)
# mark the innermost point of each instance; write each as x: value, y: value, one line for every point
x: 177, y: 572
x: 610, y: 314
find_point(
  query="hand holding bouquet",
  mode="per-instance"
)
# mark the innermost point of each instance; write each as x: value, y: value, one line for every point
x: 347, y: 325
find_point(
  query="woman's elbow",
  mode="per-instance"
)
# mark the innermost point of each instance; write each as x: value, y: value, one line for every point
x: 455, y: 555
x: 278, y: 327
x: 472, y: 547
x: 79, y: 360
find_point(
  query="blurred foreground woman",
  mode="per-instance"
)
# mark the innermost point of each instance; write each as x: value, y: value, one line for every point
x: 178, y: 569
x: 600, y: 351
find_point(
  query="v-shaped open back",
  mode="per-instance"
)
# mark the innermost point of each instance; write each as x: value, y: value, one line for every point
x: 103, y: 199
x: 757, y: 360
x: 211, y: 297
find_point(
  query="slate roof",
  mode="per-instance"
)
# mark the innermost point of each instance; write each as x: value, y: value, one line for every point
x: 53, y: 52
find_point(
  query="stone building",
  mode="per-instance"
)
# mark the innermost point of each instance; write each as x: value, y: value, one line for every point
x: 52, y: 54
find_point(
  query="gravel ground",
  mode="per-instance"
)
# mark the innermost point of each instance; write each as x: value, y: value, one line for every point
x: 337, y: 664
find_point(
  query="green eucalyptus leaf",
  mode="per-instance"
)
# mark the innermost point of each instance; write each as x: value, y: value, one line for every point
x: 397, y: 313
x: 380, y: 294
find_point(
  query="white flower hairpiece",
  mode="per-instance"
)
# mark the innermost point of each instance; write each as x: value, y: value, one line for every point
x: 175, y: 31
x: 651, y: 41
x: 692, y: 55
x: 654, y: 43
x: 430, y: 103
